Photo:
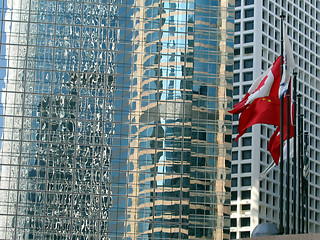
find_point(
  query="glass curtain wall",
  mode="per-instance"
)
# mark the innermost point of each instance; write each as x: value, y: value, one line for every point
x: 115, y: 122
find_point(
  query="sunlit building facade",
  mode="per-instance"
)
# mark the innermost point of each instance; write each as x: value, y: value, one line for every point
x: 257, y: 45
x: 115, y: 122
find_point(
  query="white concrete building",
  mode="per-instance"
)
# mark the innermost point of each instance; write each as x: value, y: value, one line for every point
x: 257, y: 45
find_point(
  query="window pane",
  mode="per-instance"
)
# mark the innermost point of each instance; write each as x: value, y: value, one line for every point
x: 236, y: 65
x: 245, y: 234
x: 237, y: 27
x: 248, y: 50
x: 246, y: 195
x: 245, y: 207
x: 246, y: 141
x: 238, y: 3
x: 234, y: 155
x: 248, y: 38
x: 248, y: 25
x: 249, y: 2
x: 236, y: 39
x: 236, y: 77
x: 246, y: 168
x: 233, y: 222
x: 234, y: 195
x: 246, y: 181
x: 246, y: 154
x: 245, y: 222
x: 234, y: 168
x: 248, y: 63
x: 248, y: 76
x: 237, y: 14
x: 249, y: 13
x: 234, y: 182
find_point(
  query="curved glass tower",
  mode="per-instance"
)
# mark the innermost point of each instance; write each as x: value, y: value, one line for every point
x: 115, y: 119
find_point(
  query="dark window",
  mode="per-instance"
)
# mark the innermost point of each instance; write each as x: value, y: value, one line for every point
x: 233, y: 222
x: 234, y: 129
x: 246, y: 141
x: 235, y: 117
x: 245, y: 222
x: 234, y: 182
x: 246, y: 195
x: 236, y: 39
x: 234, y: 143
x: 234, y: 168
x: 234, y: 195
x: 245, y: 89
x: 237, y: 14
x: 238, y: 3
x: 245, y: 234
x: 247, y: 76
x: 236, y: 77
x: 246, y: 154
x: 236, y: 51
x: 235, y: 90
x: 236, y: 65
x: 233, y: 208
x: 248, y: 38
x: 249, y: 2
x: 233, y: 235
x: 248, y: 13
x: 248, y: 63
x: 248, y: 50
x: 237, y: 27
x: 248, y: 25
x: 245, y: 207
x: 246, y: 167
x: 245, y: 181
x: 234, y: 155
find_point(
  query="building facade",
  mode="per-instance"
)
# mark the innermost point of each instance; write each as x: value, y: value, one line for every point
x: 115, y: 122
x: 257, y: 45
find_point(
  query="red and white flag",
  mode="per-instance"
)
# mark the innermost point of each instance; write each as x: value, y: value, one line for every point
x: 267, y: 85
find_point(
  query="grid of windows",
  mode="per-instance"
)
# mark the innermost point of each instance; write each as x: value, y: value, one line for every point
x: 108, y: 127
x: 303, y: 31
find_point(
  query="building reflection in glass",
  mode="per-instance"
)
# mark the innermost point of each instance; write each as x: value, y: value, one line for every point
x: 115, y: 119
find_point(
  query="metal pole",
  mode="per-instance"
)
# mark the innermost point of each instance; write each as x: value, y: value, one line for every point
x: 298, y: 162
x: 281, y: 139
x: 300, y: 132
x: 288, y: 162
x: 294, y: 208
x: 305, y: 178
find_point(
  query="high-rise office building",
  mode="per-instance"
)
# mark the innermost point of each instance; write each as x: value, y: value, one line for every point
x: 115, y: 122
x: 257, y: 45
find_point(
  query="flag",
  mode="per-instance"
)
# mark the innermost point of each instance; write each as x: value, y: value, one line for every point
x: 288, y: 64
x: 266, y: 85
x: 261, y: 110
x: 274, y: 142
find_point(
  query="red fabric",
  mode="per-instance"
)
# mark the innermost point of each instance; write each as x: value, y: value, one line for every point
x: 262, y: 110
x: 275, y: 70
x: 274, y: 146
x: 274, y: 142
x: 240, y: 106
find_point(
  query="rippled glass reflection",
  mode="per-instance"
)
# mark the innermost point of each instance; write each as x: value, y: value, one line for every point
x: 115, y: 119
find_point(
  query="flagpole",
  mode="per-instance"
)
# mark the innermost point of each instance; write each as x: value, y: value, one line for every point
x: 305, y: 180
x: 294, y: 98
x: 281, y: 137
x: 288, y: 161
x: 300, y: 202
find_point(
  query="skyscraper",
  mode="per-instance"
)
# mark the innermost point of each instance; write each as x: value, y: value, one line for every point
x: 257, y: 45
x: 115, y: 119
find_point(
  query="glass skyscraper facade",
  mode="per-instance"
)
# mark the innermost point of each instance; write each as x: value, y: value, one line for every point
x: 115, y: 122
